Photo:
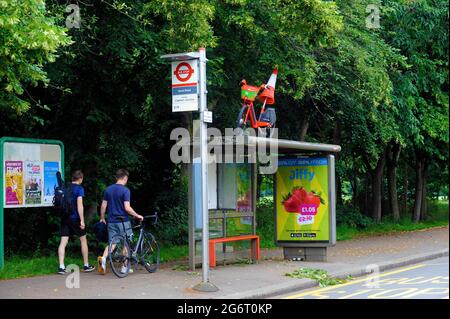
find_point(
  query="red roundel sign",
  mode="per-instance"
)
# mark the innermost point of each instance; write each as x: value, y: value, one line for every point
x: 183, y: 72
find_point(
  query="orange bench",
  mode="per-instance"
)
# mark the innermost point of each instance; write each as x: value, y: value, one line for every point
x: 212, y: 246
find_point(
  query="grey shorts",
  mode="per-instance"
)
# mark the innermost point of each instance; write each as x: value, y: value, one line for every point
x: 117, y: 229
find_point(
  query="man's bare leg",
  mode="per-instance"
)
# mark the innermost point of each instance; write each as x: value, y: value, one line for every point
x: 84, y: 249
x: 62, y: 250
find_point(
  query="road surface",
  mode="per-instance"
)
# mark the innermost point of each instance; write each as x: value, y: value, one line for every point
x: 426, y: 280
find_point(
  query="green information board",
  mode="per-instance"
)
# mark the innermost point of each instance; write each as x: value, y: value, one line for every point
x: 28, y: 175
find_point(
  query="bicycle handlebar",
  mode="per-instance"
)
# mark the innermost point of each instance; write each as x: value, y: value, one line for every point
x: 144, y: 222
x: 155, y: 216
x: 244, y: 82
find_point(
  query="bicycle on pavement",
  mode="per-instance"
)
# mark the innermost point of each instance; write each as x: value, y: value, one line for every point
x: 125, y: 251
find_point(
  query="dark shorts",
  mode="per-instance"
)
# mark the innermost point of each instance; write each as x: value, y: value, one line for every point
x: 70, y: 227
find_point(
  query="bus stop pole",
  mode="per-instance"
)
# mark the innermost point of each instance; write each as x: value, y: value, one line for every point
x: 205, y: 285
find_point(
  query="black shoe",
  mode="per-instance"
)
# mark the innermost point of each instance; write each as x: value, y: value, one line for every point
x: 88, y: 268
x: 62, y: 271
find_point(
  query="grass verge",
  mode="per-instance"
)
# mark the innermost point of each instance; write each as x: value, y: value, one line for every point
x: 438, y: 217
x: 29, y: 266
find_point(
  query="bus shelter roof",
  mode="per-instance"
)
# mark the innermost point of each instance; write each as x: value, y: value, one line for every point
x: 282, y: 146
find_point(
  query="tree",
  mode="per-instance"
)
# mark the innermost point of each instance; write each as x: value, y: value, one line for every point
x: 381, y: 94
x: 420, y: 30
x: 30, y: 39
x: 355, y: 90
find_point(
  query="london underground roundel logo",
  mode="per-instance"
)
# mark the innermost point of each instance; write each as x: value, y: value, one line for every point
x: 183, y: 72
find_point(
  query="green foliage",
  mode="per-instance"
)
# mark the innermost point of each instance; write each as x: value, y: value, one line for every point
x: 19, y: 266
x: 186, y: 24
x: 322, y: 276
x: 30, y: 38
x: 109, y: 98
x: 172, y: 227
x: 265, y: 223
x: 351, y: 217
x: 420, y: 30
x: 438, y: 217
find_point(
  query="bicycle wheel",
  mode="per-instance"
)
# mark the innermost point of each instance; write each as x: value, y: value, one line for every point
x: 149, y: 253
x: 119, y: 256
x: 241, y: 118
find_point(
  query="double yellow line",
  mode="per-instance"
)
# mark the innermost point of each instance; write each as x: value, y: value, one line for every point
x: 351, y: 282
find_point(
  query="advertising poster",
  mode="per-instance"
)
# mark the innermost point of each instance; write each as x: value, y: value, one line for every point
x: 244, y: 189
x: 13, y: 183
x: 50, y: 182
x: 33, y: 182
x: 302, y: 208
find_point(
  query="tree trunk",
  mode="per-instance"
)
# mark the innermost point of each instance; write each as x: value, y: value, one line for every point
x: 366, y: 201
x: 424, y: 207
x: 419, y: 188
x: 393, y: 200
x: 304, y: 128
x: 384, y: 203
x: 405, y: 190
x: 393, y: 155
x: 337, y: 141
x: 338, y: 191
x: 355, y: 193
x: 377, y: 196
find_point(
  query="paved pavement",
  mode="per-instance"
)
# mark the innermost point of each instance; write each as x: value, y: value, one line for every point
x: 426, y: 280
x: 241, y: 280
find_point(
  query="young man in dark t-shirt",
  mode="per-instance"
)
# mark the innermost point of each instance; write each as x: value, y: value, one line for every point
x: 116, y: 204
x: 73, y: 225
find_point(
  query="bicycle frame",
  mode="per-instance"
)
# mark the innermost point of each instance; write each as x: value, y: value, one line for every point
x: 252, y: 115
x: 134, y: 250
x: 250, y: 93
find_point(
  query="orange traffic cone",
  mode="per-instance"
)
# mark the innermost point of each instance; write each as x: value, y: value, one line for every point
x: 268, y: 95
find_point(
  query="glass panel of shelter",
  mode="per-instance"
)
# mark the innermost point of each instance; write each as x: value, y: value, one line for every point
x: 232, y: 214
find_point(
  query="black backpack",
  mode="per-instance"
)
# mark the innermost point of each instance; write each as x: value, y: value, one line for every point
x: 101, y: 232
x: 62, y: 201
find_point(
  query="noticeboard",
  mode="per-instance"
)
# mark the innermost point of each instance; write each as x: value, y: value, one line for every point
x: 305, y: 201
x: 29, y: 172
x: 27, y: 175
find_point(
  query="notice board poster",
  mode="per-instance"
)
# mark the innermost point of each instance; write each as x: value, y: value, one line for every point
x: 244, y: 188
x: 28, y: 172
x: 33, y: 182
x: 50, y: 182
x: 302, y: 207
x: 14, y: 182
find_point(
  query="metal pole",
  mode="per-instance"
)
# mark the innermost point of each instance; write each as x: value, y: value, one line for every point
x: 205, y: 285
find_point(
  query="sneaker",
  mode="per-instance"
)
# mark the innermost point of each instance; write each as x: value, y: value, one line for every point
x: 62, y: 271
x: 124, y: 270
x: 88, y: 268
x: 101, y: 265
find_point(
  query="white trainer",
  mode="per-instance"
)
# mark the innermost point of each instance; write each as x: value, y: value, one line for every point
x: 124, y: 270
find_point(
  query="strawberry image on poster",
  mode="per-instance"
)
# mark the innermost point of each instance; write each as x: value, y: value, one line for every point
x: 299, y: 201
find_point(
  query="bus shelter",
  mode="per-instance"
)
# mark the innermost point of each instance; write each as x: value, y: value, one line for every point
x: 304, y: 230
